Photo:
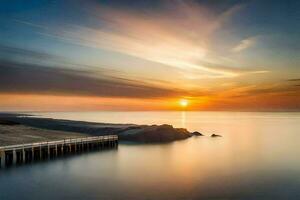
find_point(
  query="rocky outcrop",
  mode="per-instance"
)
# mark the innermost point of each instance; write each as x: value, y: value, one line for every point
x: 215, y: 135
x: 196, y: 133
x: 155, y: 133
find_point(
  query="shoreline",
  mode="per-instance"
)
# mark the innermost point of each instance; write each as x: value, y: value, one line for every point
x: 30, y: 129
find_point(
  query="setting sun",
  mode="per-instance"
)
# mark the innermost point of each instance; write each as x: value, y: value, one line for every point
x: 184, y: 103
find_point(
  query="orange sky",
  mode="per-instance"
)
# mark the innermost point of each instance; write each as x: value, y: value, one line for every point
x: 262, y: 102
x: 110, y: 57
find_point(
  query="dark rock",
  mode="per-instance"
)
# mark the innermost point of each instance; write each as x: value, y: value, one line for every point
x: 215, y: 135
x: 8, y: 122
x: 196, y: 133
x: 155, y: 134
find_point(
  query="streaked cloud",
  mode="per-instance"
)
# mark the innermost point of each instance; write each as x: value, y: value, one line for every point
x: 244, y: 44
x: 294, y: 80
x: 29, y: 72
x: 35, y: 79
x: 179, y: 36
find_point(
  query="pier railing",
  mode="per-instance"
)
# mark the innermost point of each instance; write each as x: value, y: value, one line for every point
x: 23, y: 153
x: 60, y: 142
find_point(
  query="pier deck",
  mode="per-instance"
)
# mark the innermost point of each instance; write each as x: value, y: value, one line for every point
x: 24, y: 153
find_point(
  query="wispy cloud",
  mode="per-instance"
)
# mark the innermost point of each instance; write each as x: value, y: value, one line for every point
x: 35, y: 79
x: 244, y: 44
x: 178, y: 37
x: 39, y: 78
x: 294, y: 80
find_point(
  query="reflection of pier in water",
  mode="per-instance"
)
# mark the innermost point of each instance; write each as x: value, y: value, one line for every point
x: 25, y: 153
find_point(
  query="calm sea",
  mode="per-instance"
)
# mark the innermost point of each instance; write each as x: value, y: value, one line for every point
x: 257, y: 158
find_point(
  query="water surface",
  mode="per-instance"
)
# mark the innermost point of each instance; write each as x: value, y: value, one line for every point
x: 257, y: 158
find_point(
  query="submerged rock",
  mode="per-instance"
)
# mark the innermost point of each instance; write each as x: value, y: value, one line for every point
x: 196, y: 133
x: 215, y: 135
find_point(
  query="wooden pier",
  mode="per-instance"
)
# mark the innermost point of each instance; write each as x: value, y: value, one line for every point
x: 25, y: 153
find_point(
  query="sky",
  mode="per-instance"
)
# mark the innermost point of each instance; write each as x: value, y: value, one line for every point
x: 89, y: 55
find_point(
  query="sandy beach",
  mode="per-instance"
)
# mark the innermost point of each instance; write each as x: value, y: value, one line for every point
x: 18, y: 134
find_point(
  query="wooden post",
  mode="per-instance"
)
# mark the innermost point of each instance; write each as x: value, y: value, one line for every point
x: 40, y: 152
x: 32, y: 154
x: 23, y: 155
x: 48, y: 150
x: 14, y: 156
x: 75, y: 146
x: 55, y: 150
x: 2, y: 155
